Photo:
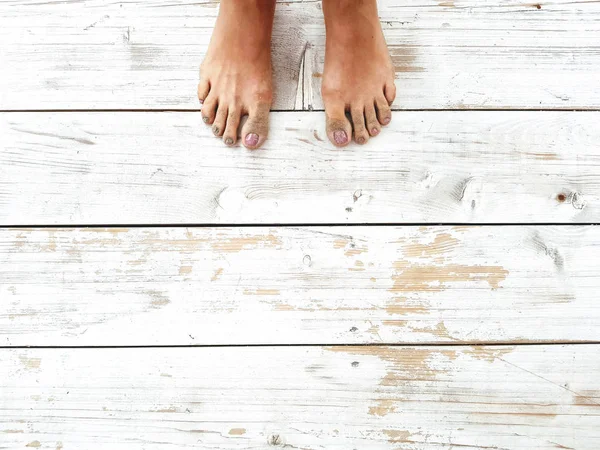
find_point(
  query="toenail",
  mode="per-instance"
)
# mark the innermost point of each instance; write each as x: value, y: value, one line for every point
x: 386, y: 121
x: 340, y: 137
x: 205, y: 119
x: 361, y: 140
x: 201, y: 101
x: 374, y: 131
x: 229, y: 141
x: 252, y: 139
x: 216, y: 130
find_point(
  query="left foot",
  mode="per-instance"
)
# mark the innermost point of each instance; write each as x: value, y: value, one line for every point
x: 359, y: 75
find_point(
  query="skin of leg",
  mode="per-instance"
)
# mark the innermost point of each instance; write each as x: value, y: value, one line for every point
x: 359, y: 75
x: 235, y: 76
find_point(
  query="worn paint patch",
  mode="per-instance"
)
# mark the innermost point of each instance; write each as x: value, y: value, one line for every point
x: 261, y: 292
x: 423, y: 278
x: 13, y: 431
x: 171, y: 409
x: 237, y: 431
x: 359, y: 266
x: 236, y: 245
x: 404, y: 58
x: 438, y: 330
x: 442, y: 244
x: 397, y: 436
x: 159, y: 299
x: 487, y: 353
x: 587, y: 397
x: 351, y: 248
x: 185, y: 270
x: 382, y: 407
x: 217, y: 274
x: 403, y: 306
x: 544, y: 156
x: 406, y: 365
x: 113, y: 231
x: 34, y: 444
x: 31, y: 363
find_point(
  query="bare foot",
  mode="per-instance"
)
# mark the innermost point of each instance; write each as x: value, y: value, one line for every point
x: 235, y: 77
x: 358, y: 76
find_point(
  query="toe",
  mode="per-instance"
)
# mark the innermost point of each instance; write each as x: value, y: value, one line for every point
x: 361, y: 136
x: 384, y: 112
x: 339, y: 129
x: 209, y: 109
x: 220, y: 121
x: 390, y: 92
x: 233, y: 123
x: 203, y: 90
x: 256, y: 128
x: 373, y: 125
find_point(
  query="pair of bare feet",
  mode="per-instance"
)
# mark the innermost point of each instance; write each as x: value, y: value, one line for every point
x: 358, y: 81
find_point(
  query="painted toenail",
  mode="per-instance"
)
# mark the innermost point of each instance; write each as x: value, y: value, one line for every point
x: 340, y: 137
x: 216, y: 130
x: 205, y: 119
x: 252, y: 139
x: 229, y: 141
x: 201, y: 101
x: 387, y: 120
x: 361, y: 140
x: 374, y: 131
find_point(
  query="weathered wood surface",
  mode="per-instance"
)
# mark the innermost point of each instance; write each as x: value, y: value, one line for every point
x: 437, y: 167
x: 325, y: 285
x: 460, y: 54
x: 504, y: 398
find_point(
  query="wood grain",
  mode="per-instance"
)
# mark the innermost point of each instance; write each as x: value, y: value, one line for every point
x: 460, y: 54
x: 517, y: 398
x: 324, y: 285
x: 167, y: 168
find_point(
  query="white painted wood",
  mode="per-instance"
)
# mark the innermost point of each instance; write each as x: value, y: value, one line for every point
x: 517, y: 398
x: 472, y: 54
x: 100, y: 54
x: 332, y: 285
x: 112, y: 168
x: 456, y: 54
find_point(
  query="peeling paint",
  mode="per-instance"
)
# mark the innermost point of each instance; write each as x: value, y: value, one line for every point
x: 261, y: 292
x: 415, y: 277
x: 217, y: 274
x: 31, y: 363
x: 442, y: 244
x: 236, y: 245
x: 237, y: 431
x: 185, y: 270
x: 397, y: 436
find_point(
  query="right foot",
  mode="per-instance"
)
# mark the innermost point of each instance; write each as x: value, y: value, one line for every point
x: 235, y: 76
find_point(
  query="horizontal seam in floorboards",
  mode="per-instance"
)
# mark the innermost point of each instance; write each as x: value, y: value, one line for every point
x: 296, y: 225
x: 129, y: 110
x: 441, y: 344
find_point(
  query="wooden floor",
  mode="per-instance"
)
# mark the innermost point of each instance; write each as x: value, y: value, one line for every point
x: 434, y: 289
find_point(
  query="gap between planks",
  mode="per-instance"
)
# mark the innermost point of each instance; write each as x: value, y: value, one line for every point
x: 294, y: 225
x: 382, y: 344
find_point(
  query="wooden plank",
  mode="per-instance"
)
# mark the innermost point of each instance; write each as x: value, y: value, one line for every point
x: 469, y: 54
x: 542, y: 397
x: 101, y: 54
x: 448, y: 55
x: 141, y: 168
x: 331, y: 285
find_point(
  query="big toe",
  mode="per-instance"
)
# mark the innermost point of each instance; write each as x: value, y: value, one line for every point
x: 256, y: 128
x: 339, y: 129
